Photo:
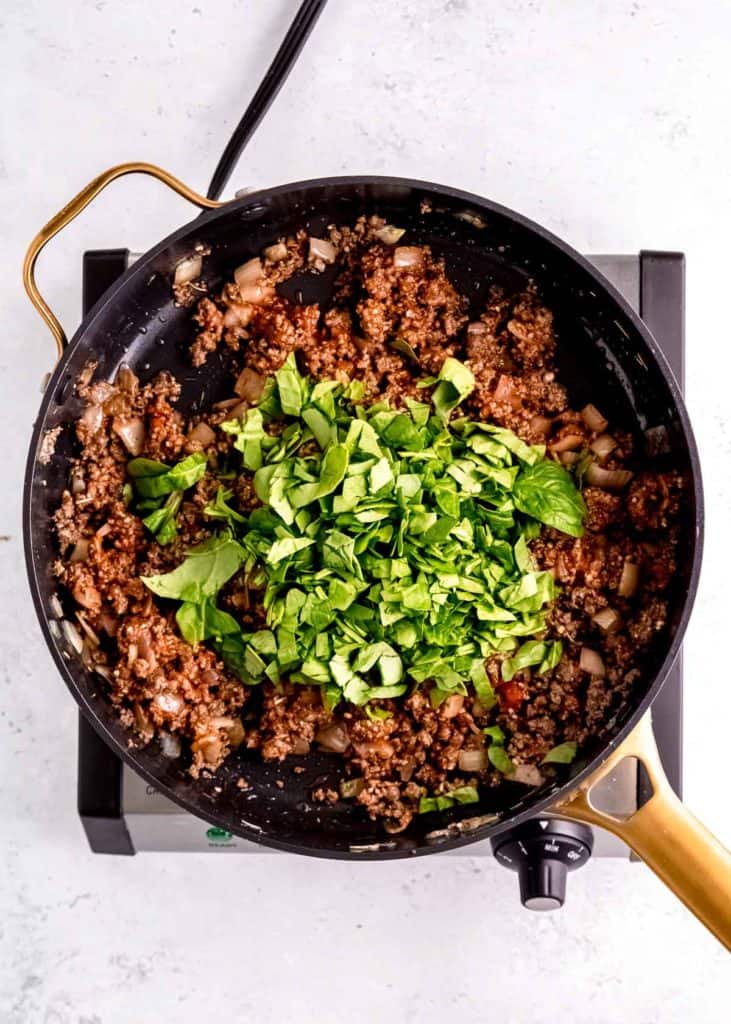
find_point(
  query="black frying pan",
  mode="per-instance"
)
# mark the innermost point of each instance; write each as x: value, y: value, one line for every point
x: 606, y: 356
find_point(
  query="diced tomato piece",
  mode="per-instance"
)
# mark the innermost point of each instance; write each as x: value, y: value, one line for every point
x: 511, y: 695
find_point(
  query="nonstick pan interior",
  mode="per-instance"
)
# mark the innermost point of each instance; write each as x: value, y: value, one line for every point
x: 606, y: 357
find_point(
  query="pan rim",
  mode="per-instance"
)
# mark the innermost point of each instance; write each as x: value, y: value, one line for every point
x: 545, y: 804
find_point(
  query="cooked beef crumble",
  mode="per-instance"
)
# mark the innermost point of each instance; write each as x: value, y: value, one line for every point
x: 395, y: 317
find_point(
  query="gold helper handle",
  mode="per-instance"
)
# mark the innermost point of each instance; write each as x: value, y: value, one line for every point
x: 72, y: 209
x: 665, y: 835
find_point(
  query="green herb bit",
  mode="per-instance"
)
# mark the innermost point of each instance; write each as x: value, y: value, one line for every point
x: 496, y: 751
x: 500, y: 760
x: 460, y: 795
x: 495, y: 734
x: 154, y: 479
x: 161, y: 522
x: 160, y: 491
x: 564, y: 753
x: 220, y: 509
x: 455, y: 382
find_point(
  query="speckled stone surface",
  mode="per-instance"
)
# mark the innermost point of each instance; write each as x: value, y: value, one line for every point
x: 608, y: 122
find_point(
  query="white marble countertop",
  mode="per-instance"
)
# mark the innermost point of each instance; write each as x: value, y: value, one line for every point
x: 608, y: 122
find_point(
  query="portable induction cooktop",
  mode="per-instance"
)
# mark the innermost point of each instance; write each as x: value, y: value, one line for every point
x: 123, y: 815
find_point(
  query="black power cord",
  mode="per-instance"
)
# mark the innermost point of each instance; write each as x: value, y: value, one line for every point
x: 264, y: 96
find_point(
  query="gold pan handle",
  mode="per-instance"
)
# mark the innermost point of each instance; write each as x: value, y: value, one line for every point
x: 665, y: 835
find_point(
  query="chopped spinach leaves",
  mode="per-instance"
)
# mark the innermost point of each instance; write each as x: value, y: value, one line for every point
x: 392, y: 546
x: 159, y: 488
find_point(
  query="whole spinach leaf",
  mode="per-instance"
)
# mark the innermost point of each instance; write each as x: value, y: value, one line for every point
x: 546, y: 491
x: 203, y: 572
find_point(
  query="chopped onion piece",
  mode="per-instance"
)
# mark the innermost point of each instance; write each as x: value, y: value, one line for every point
x: 93, y: 418
x: 101, y: 391
x: 235, y: 733
x: 609, y: 479
x: 86, y: 656
x: 381, y: 748
x: 72, y: 635
x: 629, y: 580
x: 590, y: 661
x: 505, y: 392
x: 249, y: 385
x: 86, y: 374
x: 56, y: 606
x: 567, y: 443
x: 238, y: 314
x: 168, y: 703
x: 81, y: 551
x: 232, y: 727
x: 333, y: 737
x: 603, y: 446
x: 202, y: 434
x: 127, y: 380
x: 300, y: 745
x: 131, y: 433
x: 212, y: 749
x: 276, y: 253
x: 78, y: 484
x: 389, y: 234
x: 407, y: 256
x: 117, y: 404
x: 472, y: 760
x: 321, y: 249
x: 222, y: 722
x: 86, y: 594
x: 541, y: 424
x: 169, y: 745
x: 254, y: 293
x: 527, y: 774
x: 91, y: 635
x: 238, y: 411
x: 143, y: 724
x: 249, y: 273
x: 593, y: 418
x: 607, y: 619
x: 145, y: 651
x: 476, y: 329
x: 108, y: 623
x: 568, y: 458
x: 188, y: 269
x: 453, y: 705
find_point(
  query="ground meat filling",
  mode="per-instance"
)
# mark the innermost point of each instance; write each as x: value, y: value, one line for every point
x: 394, y: 317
